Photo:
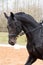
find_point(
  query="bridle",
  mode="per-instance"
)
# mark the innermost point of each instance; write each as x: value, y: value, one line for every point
x: 12, y: 35
x: 35, y: 29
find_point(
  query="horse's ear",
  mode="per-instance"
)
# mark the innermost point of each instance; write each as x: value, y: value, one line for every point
x: 5, y: 15
x: 11, y: 14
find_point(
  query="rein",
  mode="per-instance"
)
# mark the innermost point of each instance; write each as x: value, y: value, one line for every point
x: 36, y: 28
x: 41, y: 25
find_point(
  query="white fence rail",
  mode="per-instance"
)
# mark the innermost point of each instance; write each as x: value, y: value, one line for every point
x: 16, y: 46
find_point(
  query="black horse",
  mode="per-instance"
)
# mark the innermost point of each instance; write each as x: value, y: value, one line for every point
x: 21, y: 21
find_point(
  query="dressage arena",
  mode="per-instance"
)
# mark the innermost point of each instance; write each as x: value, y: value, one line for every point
x: 16, y: 55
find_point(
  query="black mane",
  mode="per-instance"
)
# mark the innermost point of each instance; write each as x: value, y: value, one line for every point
x: 26, y: 19
x: 19, y: 13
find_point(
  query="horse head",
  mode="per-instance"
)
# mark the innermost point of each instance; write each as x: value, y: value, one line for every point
x: 14, y: 28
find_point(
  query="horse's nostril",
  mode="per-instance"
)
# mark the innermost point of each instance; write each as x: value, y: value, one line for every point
x: 11, y: 43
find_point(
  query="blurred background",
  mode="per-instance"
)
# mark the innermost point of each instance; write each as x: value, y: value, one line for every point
x: 32, y: 7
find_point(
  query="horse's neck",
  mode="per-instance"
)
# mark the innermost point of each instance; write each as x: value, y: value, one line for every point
x: 28, y: 22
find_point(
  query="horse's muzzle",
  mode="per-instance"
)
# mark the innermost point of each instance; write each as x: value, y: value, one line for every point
x: 11, y: 42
